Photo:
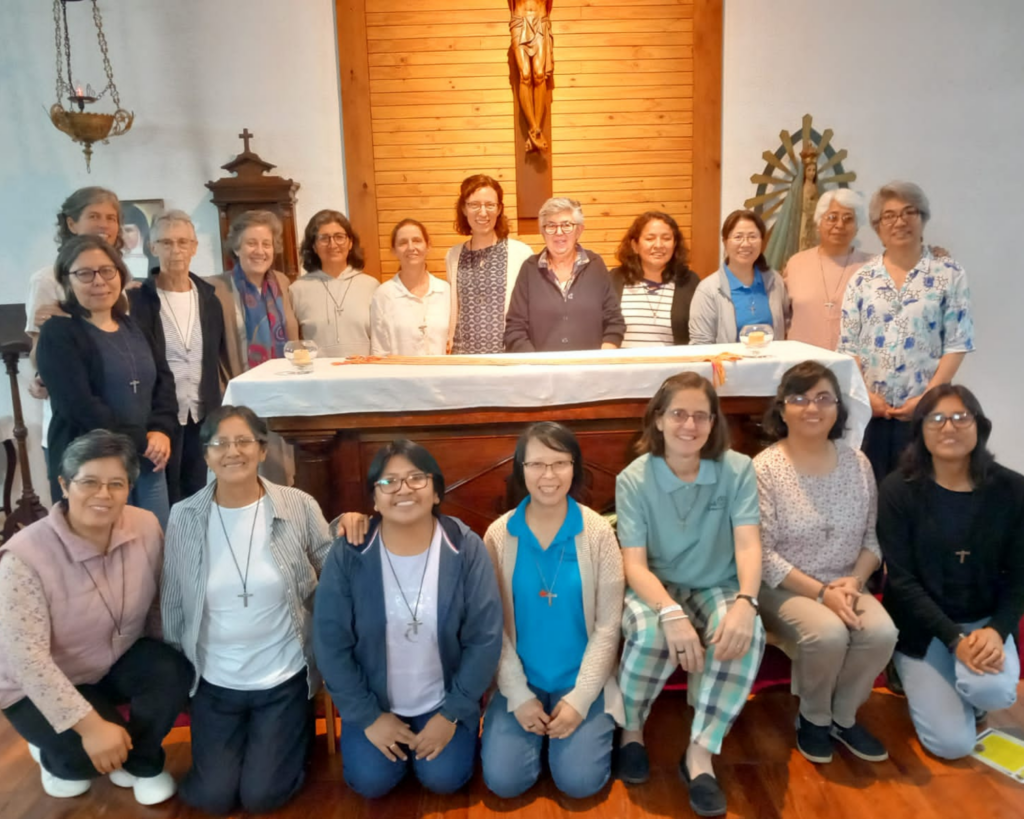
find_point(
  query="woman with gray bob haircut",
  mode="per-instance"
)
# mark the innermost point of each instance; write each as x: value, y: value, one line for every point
x: 564, y: 298
x: 816, y: 278
x: 906, y: 318
x: 99, y: 443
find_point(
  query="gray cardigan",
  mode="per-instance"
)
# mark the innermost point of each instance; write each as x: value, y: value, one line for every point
x: 299, y: 543
x: 713, y: 317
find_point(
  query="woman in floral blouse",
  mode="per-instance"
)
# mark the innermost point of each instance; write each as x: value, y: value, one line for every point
x: 906, y: 318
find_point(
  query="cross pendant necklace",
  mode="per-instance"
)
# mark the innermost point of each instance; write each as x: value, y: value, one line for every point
x: 134, y: 384
x: 123, y: 345
x: 414, y: 625
x: 546, y: 590
x: 339, y: 306
x: 246, y: 594
x: 962, y: 554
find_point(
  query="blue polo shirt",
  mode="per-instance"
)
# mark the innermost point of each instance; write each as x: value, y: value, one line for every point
x: 550, y: 639
x: 687, y: 528
x: 750, y: 303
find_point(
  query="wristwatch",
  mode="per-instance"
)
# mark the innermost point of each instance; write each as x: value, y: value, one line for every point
x: 752, y: 600
x: 956, y: 643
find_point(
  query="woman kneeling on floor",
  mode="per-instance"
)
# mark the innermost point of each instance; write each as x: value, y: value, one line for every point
x: 691, y: 548
x: 560, y: 573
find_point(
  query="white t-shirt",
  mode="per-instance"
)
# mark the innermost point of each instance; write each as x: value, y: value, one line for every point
x: 254, y: 647
x: 42, y: 289
x: 404, y: 324
x: 415, y: 675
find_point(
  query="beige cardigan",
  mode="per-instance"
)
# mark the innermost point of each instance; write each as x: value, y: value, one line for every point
x: 600, y: 562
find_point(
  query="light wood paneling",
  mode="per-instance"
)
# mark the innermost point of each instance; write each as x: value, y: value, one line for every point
x: 629, y: 128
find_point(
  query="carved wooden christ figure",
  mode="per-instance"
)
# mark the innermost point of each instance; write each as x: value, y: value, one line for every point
x: 532, y: 45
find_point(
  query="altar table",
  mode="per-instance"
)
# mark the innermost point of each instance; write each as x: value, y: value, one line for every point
x: 469, y: 417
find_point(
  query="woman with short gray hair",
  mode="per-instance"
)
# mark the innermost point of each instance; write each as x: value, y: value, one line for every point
x: 816, y: 278
x: 564, y: 298
x: 906, y: 318
x: 257, y: 307
x: 79, y: 631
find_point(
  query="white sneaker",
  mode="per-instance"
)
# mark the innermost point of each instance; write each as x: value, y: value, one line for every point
x: 63, y: 788
x: 33, y: 751
x: 149, y: 790
x: 122, y: 778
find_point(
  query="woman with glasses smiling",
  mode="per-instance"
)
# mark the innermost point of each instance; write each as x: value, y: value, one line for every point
x: 332, y: 300
x: 482, y: 270
x: 564, y: 298
x: 818, y: 512
x: 691, y: 548
x: 560, y: 573
x: 906, y: 319
x: 408, y: 632
x: 951, y: 527
x: 103, y: 370
x: 241, y: 563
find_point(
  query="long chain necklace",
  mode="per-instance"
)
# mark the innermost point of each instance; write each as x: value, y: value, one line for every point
x: 546, y: 590
x: 657, y: 307
x: 246, y: 594
x: 124, y: 349
x: 165, y: 302
x: 119, y: 620
x: 339, y: 307
x: 414, y: 626
x: 830, y: 301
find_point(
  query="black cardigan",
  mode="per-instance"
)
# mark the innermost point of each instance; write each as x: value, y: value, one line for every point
x: 686, y: 286
x: 71, y: 367
x: 145, y: 307
x: 907, y: 525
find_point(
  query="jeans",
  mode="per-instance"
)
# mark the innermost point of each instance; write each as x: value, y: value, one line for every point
x: 151, y: 677
x: 580, y: 764
x: 186, y: 468
x: 249, y: 748
x: 942, y: 694
x: 371, y: 774
x: 150, y: 492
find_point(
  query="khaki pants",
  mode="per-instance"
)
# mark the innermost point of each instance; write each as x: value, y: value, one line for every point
x: 834, y: 667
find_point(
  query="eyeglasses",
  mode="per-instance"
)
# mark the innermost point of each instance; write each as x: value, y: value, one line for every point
x: 417, y: 480
x: 822, y: 399
x: 224, y: 444
x: 890, y: 217
x: 332, y: 238
x: 476, y: 207
x: 746, y: 239
x: 170, y: 244
x: 87, y: 274
x: 551, y: 228
x: 937, y: 420
x: 540, y: 468
x: 700, y: 419
x: 93, y: 485
x: 845, y: 218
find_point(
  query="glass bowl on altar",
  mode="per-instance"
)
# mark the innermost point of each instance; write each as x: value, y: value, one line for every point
x: 757, y: 337
x: 301, y: 355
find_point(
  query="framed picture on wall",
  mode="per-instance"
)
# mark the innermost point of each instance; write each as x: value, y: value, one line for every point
x: 136, y: 217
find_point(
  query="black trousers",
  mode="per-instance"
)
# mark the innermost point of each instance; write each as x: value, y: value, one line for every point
x: 249, y: 748
x: 151, y: 677
x: 186, y: 468
x: 884, y: 442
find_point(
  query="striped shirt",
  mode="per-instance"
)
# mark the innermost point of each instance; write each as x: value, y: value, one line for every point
x: 299, y: 545
x: 179, y: 314
x: 647, y: 309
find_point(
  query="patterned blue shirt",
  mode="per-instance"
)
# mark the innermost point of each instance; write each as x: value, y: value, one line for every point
x: 750, y: 303
x: 900, y: 335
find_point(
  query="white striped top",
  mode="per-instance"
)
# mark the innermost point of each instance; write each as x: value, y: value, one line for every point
x: 647, y: 309
x: 179, y: 314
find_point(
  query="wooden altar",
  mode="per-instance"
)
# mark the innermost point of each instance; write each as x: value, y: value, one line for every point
x: 474, y: 448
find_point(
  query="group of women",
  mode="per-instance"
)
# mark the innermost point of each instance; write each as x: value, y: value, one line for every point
x: 411, y: 620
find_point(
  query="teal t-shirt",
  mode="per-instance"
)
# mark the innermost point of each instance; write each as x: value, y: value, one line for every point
x: 687, y: 528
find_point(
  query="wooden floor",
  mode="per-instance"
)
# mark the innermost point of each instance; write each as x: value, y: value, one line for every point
x: 763, y: 776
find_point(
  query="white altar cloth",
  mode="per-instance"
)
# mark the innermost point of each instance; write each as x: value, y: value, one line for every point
x: 272, y: 391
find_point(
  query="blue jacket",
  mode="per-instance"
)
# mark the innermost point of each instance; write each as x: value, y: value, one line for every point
x: 349, y: 625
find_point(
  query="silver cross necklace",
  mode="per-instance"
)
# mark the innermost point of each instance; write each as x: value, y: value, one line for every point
x: 246, y: 594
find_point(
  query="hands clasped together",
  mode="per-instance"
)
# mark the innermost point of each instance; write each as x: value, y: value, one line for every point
x: 388, y: 734
x: 731, y: 638
x: 559, y: 724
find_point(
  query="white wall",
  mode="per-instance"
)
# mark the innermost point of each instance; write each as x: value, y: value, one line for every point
x: 924, y: 90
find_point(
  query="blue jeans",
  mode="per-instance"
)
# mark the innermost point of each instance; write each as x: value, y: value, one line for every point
x: 580, y: 764
x: 942, y: 694
x: 150, y: 493
x: 371, y: 774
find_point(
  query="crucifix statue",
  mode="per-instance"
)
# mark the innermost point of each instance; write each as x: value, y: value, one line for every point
x: 532, y: 49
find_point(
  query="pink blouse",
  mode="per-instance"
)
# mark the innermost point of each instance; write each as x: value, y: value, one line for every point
x: 816, y: 283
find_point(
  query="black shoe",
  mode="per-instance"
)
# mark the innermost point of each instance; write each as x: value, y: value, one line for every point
x: 706, y: 798
x: 860, y: 743
x: 634, y: 767
x: 892, y: 679
x: 814, y: 741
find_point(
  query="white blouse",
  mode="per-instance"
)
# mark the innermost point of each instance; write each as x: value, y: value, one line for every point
x: 405, y: 324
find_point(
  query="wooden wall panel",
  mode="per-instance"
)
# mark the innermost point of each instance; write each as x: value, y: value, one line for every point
x: 636, y: 83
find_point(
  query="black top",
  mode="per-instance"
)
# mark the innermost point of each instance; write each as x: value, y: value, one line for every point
x: 129, y: 372
x: 925, y: 531
x: 685, y: 287
x: 145, y: 307
x: 71, y: 366
x: 540, y: 317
